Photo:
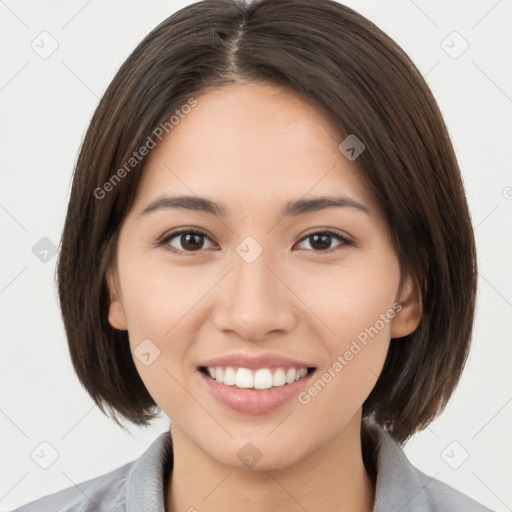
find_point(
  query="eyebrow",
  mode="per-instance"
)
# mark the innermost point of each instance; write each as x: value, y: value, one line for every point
x: 292, y: 208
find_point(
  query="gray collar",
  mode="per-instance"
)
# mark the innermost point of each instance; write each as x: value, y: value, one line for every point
x: 400, y: 486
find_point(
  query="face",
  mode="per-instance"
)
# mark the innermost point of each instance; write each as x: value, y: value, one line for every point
x: 313, y: 288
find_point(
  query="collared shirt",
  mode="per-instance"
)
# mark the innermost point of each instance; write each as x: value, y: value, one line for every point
x: 139, y: 486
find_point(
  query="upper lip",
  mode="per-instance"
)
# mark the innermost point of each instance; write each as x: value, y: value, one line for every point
x: 267, y: 360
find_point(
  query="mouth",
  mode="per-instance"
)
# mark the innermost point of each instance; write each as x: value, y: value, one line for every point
x: 256, y: 391
x: 259, y: 379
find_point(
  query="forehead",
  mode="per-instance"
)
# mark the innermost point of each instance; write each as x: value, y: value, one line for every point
x: 251, y: 143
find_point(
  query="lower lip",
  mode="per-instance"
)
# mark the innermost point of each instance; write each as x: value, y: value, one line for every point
x: 255, y: 401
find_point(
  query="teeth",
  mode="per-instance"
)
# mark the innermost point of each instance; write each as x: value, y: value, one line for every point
x: 229, y: 376
x: 279, y: 378
x: 259, y: 379
x: 301, y: 373
x: 290, y: 375
x: 244, y: 378
x: 262, y: 379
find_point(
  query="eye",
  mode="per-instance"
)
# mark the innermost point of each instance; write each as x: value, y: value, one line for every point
x: 189, y: 240
x: 321, y: 240
x: 192, y: 240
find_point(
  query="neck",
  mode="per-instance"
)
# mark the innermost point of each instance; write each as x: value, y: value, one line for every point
x: 332, y: 479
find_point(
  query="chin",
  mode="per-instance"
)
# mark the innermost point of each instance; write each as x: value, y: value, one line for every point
x: 259, y: 454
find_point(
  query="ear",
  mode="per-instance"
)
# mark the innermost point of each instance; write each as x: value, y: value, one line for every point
x: 408, y: 318
x: 116, y: 315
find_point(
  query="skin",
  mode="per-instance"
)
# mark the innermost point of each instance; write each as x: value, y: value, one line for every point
x: 252, y: 147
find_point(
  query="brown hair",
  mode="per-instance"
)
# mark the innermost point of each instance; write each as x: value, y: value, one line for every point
x: 365, y: 83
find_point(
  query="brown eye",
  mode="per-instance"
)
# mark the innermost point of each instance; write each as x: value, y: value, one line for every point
x: 185, y: 241
x: 188, y: 241
x: 321, y: 241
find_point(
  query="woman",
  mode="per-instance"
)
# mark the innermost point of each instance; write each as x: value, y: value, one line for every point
x: 268, y: 240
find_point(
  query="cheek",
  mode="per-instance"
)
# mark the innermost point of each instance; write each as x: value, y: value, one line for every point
x: 357, y: 308
x: 350, y: 299
x: 158, y: 312
x: 164, y: 307
x: 159, y: 298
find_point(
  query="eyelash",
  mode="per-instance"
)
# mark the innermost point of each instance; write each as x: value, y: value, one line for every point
x: 164, y: 241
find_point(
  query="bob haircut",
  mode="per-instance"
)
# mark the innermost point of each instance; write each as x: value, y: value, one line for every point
x: 364, y: 84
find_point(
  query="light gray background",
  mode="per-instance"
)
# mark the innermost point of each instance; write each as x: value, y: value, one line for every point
x: 46, y: 106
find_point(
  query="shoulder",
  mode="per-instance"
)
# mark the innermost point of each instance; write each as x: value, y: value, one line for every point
x: 105, y: 493
x: 402, y: 486
x: 443, y: 498
x: 137, y: 485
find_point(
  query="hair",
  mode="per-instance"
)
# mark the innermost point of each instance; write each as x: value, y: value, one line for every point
x: 364, y: 84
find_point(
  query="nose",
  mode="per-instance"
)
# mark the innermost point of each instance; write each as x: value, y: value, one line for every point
x: 256, y: 302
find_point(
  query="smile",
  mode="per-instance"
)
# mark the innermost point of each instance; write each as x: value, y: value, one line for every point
x: 262, y: 378
x: 253, y: 391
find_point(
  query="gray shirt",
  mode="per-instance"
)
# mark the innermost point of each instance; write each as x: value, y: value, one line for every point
x: 139, y: 486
